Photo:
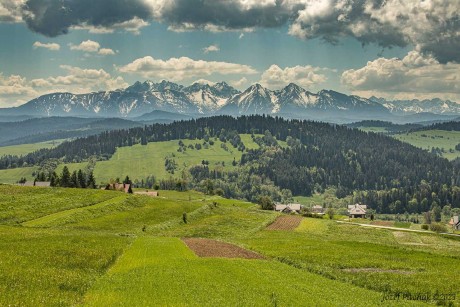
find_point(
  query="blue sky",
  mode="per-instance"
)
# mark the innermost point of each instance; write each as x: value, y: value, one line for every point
x: 393, y: 61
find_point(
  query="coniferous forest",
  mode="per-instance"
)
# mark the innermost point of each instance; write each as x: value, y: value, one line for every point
x: 388, y: 175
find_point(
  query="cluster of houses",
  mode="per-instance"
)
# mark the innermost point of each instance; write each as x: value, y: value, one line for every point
x: 354, y: 211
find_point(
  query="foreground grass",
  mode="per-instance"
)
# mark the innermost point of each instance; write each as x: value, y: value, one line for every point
x: 374, y: 259
x: 20, y: 204
x: 163, y: 271
x: 51, y: 268
x: 57, y: 245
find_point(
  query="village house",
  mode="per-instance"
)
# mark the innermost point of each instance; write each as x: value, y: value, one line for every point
x: 357, y: 211
x: 289, y: 208
x: 455, y: 223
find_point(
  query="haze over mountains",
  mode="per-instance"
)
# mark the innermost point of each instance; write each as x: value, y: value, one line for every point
x: 202, y: 99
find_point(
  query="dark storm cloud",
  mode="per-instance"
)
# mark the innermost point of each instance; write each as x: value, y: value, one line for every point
x: 230, y: 15
x: 55, y: 17
x: 431, y: 26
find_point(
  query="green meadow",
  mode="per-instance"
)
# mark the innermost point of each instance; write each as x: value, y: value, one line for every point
x: 434, y: 138
x: 138, y: 161
x: 70, y: 247
x: 19, y: 150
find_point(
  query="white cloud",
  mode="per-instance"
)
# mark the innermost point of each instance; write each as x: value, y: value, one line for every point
x: 10, y: 10
x: 414, y: 76
x: 50, y: 46
x: 106, y: 51
x: 15, y: 90
x: 177, y: 69
x: 204, y: 82
x: 305, y: 76
x: 240, y: 83
x: 86, y: 46
x: 92, y: 47
x: 212, y: 48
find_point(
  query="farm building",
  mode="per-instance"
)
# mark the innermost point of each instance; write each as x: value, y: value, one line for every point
x: 357, y: 211
x: 123, y: 187
x: 455, y: 223
x: 289, y: 208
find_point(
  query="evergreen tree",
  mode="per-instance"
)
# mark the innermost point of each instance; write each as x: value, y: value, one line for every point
x: 65, y: 178
x: 91, y: 183
x: 81, y: 178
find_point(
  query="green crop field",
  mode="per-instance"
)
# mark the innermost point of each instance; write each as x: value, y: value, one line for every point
x: 67, y: 247
x: 434, y: 138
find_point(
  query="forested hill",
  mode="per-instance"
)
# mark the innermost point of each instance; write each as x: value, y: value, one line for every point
x: 330, y: 155
x: 447, y: 126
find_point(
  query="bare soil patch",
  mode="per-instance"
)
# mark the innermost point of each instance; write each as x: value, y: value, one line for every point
x: 376, y: 270
x: 212, y: 248
x: 285, y: 222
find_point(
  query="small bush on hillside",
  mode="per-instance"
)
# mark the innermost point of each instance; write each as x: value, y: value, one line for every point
x: 438, y: 228
x: 425, y: 227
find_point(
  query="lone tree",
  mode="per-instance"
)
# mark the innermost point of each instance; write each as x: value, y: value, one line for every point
x: 266, y: 203
x: 330, y: 212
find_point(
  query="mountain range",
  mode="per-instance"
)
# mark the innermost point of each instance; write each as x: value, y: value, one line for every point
x: 203, y: 99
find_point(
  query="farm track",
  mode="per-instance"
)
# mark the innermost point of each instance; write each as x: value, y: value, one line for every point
x: 61, y: 215
x: 285, y: 222
x: 212, y: 248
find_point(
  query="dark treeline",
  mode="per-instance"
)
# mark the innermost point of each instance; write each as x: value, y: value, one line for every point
x: 320, y: 155
x: 447, y: 126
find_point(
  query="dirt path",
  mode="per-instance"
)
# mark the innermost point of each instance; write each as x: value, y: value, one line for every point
x: 396, y: 228
x: 285, y: 222
x: 212, y: 248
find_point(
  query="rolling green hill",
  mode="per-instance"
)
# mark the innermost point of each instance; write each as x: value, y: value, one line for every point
x: 141, y: 161
x: 71, y: 247
x: 427, y: 139
x: 27, y: 148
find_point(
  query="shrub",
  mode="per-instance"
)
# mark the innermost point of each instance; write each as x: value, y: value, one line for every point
x: 184, y: 217
x: 438, y: 228
x: 425, y: 227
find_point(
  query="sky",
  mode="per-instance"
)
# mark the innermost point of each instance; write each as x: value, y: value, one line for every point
x: 395, y: 49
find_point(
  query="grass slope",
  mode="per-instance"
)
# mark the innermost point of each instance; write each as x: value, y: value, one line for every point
x: 63, y: 246
x: 15, y: 174
x: 434, y: 138
x: 139, y: 161
x: 163, y: 271
x: 19, y: 150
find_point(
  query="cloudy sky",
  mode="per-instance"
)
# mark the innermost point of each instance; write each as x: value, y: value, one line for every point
x: 397, y: 49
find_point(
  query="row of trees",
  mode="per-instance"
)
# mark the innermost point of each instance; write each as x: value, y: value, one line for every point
x: 76, y: 179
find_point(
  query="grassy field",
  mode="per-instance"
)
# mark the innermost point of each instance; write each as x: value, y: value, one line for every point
x: 67, y: 247
x: 164, y: 272
x: 434, y: 138
x: 15, y: 174
x: 139, y: 161
x: 19, y: 150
